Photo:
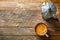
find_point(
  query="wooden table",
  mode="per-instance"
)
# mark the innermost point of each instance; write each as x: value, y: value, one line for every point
x: 19, y: 18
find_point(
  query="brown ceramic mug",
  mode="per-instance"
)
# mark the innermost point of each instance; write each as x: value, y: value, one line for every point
x: 41, y: 29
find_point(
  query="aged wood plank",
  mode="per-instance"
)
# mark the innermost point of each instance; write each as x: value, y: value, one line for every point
x: 25, y: 31
x: 10, y: 5
x: 5, y: 5
x: 25, y: 6
x: 55, y: 37
x: 17, y: 31
x: 22, y: 18
x: 32, y: 1
x: 24, y: 1
x: 28, y: 1
x: 19, y: 38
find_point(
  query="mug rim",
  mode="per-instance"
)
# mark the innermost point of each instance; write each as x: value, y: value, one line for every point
x: 43, y: 33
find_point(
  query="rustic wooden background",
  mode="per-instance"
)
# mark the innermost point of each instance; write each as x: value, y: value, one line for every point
x: 18, y: 19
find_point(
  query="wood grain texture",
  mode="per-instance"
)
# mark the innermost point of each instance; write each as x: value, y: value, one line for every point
x: 23, y: 18
x: 25, y: 31
x: 32, y: 1
x: 19, y: 38
x: 6, y: 5
x: 29, y: 38
x: 18, y: 19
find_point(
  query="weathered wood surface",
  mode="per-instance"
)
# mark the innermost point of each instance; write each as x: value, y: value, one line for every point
x: 28, y: 38
x: 25, y: 31
x: 25, y: 4
x: 18, y: 19
x: 18, y: 6
x: 23, y: 18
